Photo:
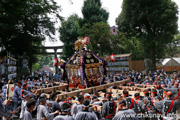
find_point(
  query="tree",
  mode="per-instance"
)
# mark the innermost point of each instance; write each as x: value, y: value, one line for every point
x: 100, y: 36
x: 173, y: 48
x: 35, y: 67
x: 153, y: 22
x: 68, y: 35
x: 94, y: 24
x: 116, y: 44
x: 93, y: 12
x: 24, y: 24
x: 45, y: 60
x: 121, y: 45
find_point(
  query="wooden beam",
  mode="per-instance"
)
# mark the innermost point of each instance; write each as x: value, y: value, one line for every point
x: 89, y: 90
x: 121, y: 91
x: 52, y: 89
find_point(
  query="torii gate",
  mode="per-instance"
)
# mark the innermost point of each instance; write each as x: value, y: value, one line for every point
x: 55, y: 48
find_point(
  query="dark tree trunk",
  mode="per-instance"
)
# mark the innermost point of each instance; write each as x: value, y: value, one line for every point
x: 153, y: 57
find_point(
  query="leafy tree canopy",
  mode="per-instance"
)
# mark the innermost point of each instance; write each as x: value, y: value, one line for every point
x: 173, y: 49
x: 100, y: 36
x: 153, y: 22
x: 25, y: 24
x: 68, y: 35
x: 93, y: 12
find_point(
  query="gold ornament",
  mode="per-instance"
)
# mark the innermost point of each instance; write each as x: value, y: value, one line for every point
x: 88, y: 55
x: 87, y: 61
x: 92, y: 60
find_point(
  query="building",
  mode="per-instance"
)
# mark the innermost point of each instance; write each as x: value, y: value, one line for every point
x: 114, y: 30
x: 122, y: 63
x: 8, y: 69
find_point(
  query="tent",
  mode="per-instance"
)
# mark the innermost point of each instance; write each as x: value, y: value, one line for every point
x: 171, y: 62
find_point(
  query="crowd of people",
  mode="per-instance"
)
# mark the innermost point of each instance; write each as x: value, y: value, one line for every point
x: 160, y: 102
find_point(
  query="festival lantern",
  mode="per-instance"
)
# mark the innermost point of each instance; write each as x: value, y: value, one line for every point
x: 112, y: 57
x: 55, y: 61
x: 86, y: 40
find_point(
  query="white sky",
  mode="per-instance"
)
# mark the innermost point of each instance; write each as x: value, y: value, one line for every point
x: 112, y: 6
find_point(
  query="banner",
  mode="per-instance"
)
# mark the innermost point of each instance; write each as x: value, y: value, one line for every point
x: 10, y: 89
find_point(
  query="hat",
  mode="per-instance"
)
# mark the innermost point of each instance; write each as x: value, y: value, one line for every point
x: 65, y: 107
x: 169, y: 93
x: 108, y: 94
x: 87, y: 94
x: 154, y: 83
x: 131, y: 83
x: 176, y: 83
x: 136, y: 95
x: 19, y: 83
x: 153, y: 91
x: 69, y: 98
x: 25, y: 85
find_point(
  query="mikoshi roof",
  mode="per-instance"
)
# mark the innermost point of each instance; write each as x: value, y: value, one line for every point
x: 88, y: 58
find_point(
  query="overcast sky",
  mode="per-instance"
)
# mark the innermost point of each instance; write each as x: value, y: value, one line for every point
x: 112, y: 6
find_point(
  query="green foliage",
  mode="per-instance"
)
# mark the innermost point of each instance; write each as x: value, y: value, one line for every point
x: 68, y: 35
x: 35, y: 67
x: 93, y: 12
x: 100, y: 36
x: 172, y: 48
x: 121, y: 45
x: 24, y: 24
x: 94, y: 25
x: 116, y: 44
x: 45, y: 60
x: 153, y: 22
